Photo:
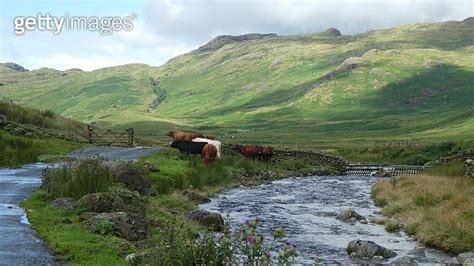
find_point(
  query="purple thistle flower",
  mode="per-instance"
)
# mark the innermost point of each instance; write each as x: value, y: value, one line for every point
x: 249, y: 238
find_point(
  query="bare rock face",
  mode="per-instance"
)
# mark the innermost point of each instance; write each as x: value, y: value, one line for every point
x: 367, y: 250
x: 332, y: 32
x: 15, y: 66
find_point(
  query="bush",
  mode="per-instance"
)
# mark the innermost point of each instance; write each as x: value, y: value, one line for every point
x: 392, y: 226
x: 89, y: 176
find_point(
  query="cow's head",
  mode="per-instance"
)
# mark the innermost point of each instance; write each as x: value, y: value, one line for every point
x: 170, y: 134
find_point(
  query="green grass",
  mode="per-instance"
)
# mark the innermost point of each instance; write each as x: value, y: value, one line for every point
x: 17, y: 150
x: 69, y: 241
x: 414, y: 83
x: 88, y: 176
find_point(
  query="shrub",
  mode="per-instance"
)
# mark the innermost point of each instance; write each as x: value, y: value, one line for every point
x: 88, y: 176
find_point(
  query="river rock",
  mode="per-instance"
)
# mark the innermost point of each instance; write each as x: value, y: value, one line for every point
x: 100, y: 202
x: 208, y: 219
x: 367, y: 250
x: 418, y: 252
x: 63, y: 203
x: 348, y: 215
x: 130, y: 226
x: 467, y: 256
x: 133, y: 177
x: 405, y: 260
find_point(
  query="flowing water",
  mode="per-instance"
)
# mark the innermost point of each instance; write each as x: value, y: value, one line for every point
x: 307, y: 207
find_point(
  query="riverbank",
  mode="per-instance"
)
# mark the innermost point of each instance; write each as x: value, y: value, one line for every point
x: 178, y: 186
x: 438, y: 210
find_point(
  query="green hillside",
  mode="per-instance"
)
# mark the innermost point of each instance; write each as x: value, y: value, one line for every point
x: 412, y: 82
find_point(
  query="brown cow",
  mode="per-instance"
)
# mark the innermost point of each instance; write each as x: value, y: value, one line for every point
x: 266, y: 154
x: 254, y: 151
x: 180, y: 135
x: 209, y: 153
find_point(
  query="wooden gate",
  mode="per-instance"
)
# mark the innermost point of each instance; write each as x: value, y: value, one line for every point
x: 110, y: 138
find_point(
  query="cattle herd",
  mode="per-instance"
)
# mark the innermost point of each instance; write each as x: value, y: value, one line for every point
x: 210, y: 149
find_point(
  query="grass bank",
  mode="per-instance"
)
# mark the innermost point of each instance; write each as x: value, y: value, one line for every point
x: 19, y: 150
x: 180, y: 185
x: 437, y: 208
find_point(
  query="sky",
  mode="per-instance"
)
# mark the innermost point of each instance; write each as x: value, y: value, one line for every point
x: 163, y: 29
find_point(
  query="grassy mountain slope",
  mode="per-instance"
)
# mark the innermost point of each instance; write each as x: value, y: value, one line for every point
x: 409, y: 82
x: 28, y: 135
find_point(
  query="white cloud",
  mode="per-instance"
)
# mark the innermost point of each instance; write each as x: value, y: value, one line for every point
x: 167, y: 28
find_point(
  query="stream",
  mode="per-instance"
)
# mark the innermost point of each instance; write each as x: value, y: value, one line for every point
x: 307, y: 207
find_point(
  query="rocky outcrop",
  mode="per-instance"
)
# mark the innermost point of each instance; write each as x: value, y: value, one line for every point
x: 63, y: 203
x: 349, y: 215
x: 367, y: 250
x: 222, y: 40
x: 14, y: 66
x: 130, y: 226
x: 331, y: 32
x: 133, y: 177
x: 207, y: 219
x: 100, y: 202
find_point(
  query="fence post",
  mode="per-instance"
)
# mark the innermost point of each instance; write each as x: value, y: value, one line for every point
x: 130, y: 137
x: 89, y: 134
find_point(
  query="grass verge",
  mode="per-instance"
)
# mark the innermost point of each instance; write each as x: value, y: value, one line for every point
x: 437, y: 209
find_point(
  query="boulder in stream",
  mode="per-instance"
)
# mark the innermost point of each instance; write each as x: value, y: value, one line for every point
x: 207, y: 219
x: 367, y: 250
x: 348, y: 215
x: 405, y: 260
x: 466, y: 257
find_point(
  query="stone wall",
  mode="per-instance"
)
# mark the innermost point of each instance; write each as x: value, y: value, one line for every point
x: 311, y: 158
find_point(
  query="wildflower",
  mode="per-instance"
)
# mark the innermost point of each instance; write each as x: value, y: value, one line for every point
x: 249, y: 238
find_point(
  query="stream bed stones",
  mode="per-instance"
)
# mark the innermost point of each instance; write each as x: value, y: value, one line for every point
x: 367, y: 250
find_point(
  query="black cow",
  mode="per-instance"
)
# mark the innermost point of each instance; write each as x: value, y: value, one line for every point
x: 188, y: 146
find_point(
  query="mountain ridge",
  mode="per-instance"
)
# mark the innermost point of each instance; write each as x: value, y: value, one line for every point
x: 366, y: 86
